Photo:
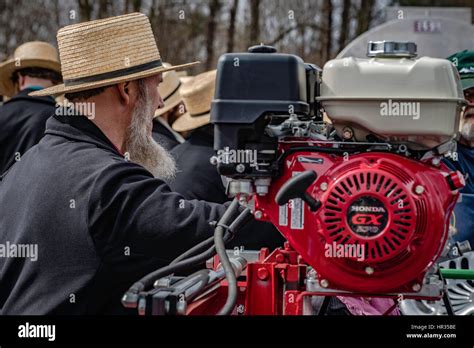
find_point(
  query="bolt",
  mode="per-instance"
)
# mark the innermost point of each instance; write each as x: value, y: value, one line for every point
x: 262, y: 273
x: 311, y: 274
x: 369, y: 270
x: 214, y: 160
x: 280, y: 258
x: 347, y: 133
x: 419, y: 189
x: 258, y: 214
x: 324, y: 283
x: 323, y: 186
x: 240, y: 168
x: 436, y: 161
x: 240, y: 309
x: 416, y: 287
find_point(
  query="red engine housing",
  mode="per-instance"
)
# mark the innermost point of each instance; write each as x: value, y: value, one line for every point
x: 391, y: 209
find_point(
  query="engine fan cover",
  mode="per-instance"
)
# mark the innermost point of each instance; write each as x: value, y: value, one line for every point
x: 383, y: 221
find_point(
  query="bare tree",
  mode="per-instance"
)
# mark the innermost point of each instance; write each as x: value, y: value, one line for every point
x: 254, y: 22
x: 137, y: 5
x: 214, y: 7
x: 231, y: 30
x: 85, y: 10
x: 345, y: 25
x: 103, y: 9
x: 126, y: 6
x: 364, y: 16
x: 327, y: 33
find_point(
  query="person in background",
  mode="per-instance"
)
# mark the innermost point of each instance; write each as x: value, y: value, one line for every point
x: 196, y: 177
x: 172, y: 109
x: 34, y: 66
x: 463, y: 159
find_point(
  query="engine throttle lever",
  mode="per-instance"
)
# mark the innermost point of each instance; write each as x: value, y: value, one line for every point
x: 296, y: 187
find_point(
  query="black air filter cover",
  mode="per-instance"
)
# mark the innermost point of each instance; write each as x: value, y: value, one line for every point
x: 250, y: 85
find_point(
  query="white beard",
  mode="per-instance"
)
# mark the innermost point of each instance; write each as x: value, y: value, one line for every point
x: 141, y: 146
x: 467, y: 130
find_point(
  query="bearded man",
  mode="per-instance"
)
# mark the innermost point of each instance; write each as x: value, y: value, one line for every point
x: 90, y: 196
x: 463, y: 160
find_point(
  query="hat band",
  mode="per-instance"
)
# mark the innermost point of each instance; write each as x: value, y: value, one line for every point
x: 173, y: 92
x: 113, y: 74
x: 200, y: 114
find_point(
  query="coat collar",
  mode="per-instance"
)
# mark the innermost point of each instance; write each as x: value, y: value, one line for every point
x: 23, y: 95
x: 81, y: 129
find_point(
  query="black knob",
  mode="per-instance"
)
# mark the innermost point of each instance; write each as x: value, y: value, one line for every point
x: 262, y: 49
x: 296, y: 187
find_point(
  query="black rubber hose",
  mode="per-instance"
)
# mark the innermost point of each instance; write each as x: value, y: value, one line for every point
x: 228, y: 269
x: 147, y: 280
x: 197, y: 259
x: 205, y: 244
x: 242, y: 219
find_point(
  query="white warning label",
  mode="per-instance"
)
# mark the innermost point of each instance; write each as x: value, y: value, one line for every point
x: 283, y: 215
x: 297, y: 214
x: 297, y: 211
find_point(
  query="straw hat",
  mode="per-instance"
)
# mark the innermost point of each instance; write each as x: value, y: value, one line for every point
x: 169, y: 90
x: 105, y: 52
x: 197, y: 97
x: 34, y: 54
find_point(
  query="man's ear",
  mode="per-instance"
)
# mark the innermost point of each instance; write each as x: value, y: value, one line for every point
x: 20, y: 82
x: 124, y: 92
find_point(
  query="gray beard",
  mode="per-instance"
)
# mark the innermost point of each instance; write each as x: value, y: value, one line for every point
x: 141, y: 147
x: 467, y: 130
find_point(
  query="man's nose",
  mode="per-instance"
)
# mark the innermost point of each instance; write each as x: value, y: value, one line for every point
x: 161, y: 103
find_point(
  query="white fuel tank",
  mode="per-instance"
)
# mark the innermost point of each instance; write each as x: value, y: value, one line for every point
x: 393, y: 96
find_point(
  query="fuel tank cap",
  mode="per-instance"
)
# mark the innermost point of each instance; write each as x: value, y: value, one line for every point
x: 262, y: 49
x: 392, y: 49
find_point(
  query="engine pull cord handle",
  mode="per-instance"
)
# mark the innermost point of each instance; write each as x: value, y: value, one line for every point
x: 296, y: 187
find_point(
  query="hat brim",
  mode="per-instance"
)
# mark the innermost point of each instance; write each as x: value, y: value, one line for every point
x: 62, y: 88
x: 170, y: 103
x: 186, y: 122
x: 8, y: 67
x: 467, y: 83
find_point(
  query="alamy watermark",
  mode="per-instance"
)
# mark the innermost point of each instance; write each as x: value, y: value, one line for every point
x: 66, y: 108
x: 354, y: 251
x: 230, y: 156
x: 28, y: 330
x: 10, y: 250
x: 400, y: 109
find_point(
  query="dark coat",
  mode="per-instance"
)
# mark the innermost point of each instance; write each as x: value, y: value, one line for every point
x: 197, y: 178
x: 163, y: 135
x: 22, y: 123
x: 464, y: 209
x: 100, y: 223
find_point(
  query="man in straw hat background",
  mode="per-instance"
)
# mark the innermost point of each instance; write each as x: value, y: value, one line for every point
x: 196, y: 177
x: 87, y: 195
x: 172, y: 108
x: 34, y: 66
